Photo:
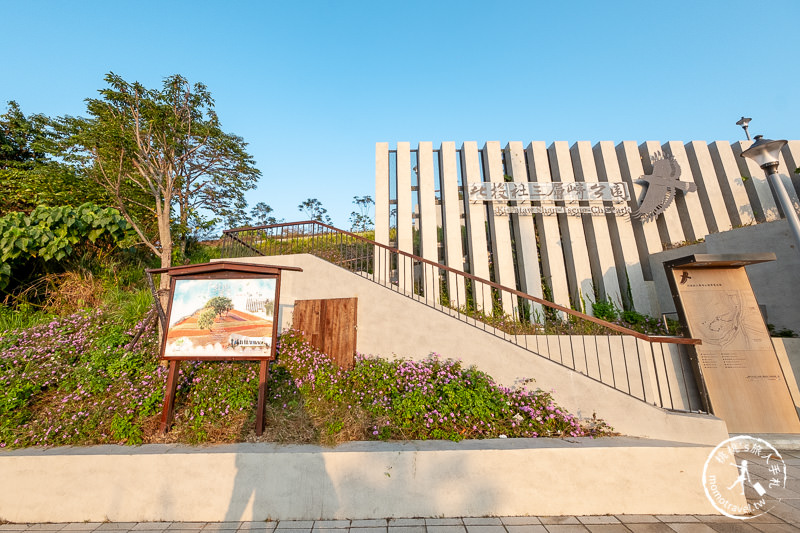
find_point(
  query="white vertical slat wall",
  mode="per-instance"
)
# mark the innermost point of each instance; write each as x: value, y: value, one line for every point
x: 550, y: 246
x: 601, y: 251
x: 475, y: 214
x: 382, y: 268
x: 405, y: 222
x: 502, y: 254
x: 573, y: 238
x: 708, y: 187
x: 530, y: 275
x: 579, y: 258
x: 451, y: 222
x: 670, y: 224
x: 734, y: 193
x: 623, y: 240
x: 427, y: 211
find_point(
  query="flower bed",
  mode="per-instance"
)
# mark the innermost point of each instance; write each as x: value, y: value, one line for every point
x: 78, y: 380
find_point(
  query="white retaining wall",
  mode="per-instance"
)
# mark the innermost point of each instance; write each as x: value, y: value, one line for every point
x: 502, y: 477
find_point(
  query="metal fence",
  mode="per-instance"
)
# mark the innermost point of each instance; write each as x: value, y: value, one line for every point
x: 654, y: 369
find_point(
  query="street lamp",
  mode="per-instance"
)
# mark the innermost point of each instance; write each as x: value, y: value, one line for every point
x: 765, y: 153
x: 744, y: 122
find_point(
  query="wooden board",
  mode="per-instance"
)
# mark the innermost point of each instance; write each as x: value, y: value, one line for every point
x: 329, y: 326
x: 737, y: 363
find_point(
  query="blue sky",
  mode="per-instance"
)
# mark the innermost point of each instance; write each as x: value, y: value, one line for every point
x: 312, y: 86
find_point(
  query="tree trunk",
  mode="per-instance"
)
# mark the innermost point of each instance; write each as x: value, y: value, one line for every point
x: 165, y: 237
x: 184, y: 235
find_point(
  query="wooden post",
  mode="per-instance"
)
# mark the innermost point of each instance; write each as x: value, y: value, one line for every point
x: 168, y: 411
x: 263, y: 374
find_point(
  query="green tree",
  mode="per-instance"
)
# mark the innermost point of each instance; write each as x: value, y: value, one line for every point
x: 159, y: 152
x: 260, y: 215
x: 314, y: 211
x: 206, y: 318
x: 220, y: 304
x: 361, y: 220
x: 29, y: 175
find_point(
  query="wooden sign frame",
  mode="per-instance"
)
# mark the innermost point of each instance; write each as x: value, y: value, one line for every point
x: 239, y: 275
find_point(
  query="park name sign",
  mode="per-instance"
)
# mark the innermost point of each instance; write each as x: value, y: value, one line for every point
x: 551, y: 193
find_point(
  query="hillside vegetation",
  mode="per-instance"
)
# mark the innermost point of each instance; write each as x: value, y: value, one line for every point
x: 78, y: 374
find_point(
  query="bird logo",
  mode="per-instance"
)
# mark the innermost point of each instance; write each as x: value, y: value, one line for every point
x: 685, y: 277
x: 662, y: 185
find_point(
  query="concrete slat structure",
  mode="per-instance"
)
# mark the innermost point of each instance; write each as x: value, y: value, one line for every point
x: 524, y: 229
x: 623, y: 240
x: 708, y: 188
x: 382, y: 208
x: 428, y: 211
x: 648, y: 239
x: 475, y: 214
x: 731, y: 185
x: 451, y: 221
x: 672, y: 223
x: 576, y: 249
x: 565, y: 256
x: 693, y: 219
x: 502, y: 255
x: 791, y: 155
x: 551, y: 249
x: 405, y: 235
x: 596, y: 228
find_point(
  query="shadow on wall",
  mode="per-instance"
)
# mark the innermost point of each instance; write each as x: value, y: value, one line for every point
x: 267, y: 486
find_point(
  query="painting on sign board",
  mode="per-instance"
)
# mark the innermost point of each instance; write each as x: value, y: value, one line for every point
x: 231, y: 318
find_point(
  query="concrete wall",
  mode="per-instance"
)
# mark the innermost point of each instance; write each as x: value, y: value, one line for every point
x: 776, y: 284
x: 577, y: 256
x: 788, y: 351
x: 503, y: 477
x: 391, y: 323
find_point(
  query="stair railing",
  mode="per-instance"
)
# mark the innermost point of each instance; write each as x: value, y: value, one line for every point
x: 652, y: 368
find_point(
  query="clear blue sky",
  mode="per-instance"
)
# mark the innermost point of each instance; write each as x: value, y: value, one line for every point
x: 312, y: 86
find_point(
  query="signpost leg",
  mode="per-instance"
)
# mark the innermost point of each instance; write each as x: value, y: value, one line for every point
x: 168, y: 411
x: 262, y: 396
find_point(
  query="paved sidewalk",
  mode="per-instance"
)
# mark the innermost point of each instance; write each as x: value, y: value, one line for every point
x: 784, y: 517
x: 773, y: 522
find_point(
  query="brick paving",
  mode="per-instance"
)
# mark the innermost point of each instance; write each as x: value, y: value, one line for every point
x: 783, y: 518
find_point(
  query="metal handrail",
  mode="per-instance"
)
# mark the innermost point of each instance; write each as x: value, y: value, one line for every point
x: 577, y: 314
x: 316, y: 237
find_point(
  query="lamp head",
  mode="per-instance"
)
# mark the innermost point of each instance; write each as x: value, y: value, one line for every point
x: 743, y: 122
x: 764, y: 152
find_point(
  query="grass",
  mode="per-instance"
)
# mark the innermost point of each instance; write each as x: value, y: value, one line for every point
x: 77, y: 380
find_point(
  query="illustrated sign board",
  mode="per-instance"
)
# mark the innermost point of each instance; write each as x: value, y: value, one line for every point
x: 738, y: 371
x: 222, y: 317
x: 220, y: 311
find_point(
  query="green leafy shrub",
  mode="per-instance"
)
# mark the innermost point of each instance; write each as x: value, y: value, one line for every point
x: 53, y: 233
x: 605, y: 310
